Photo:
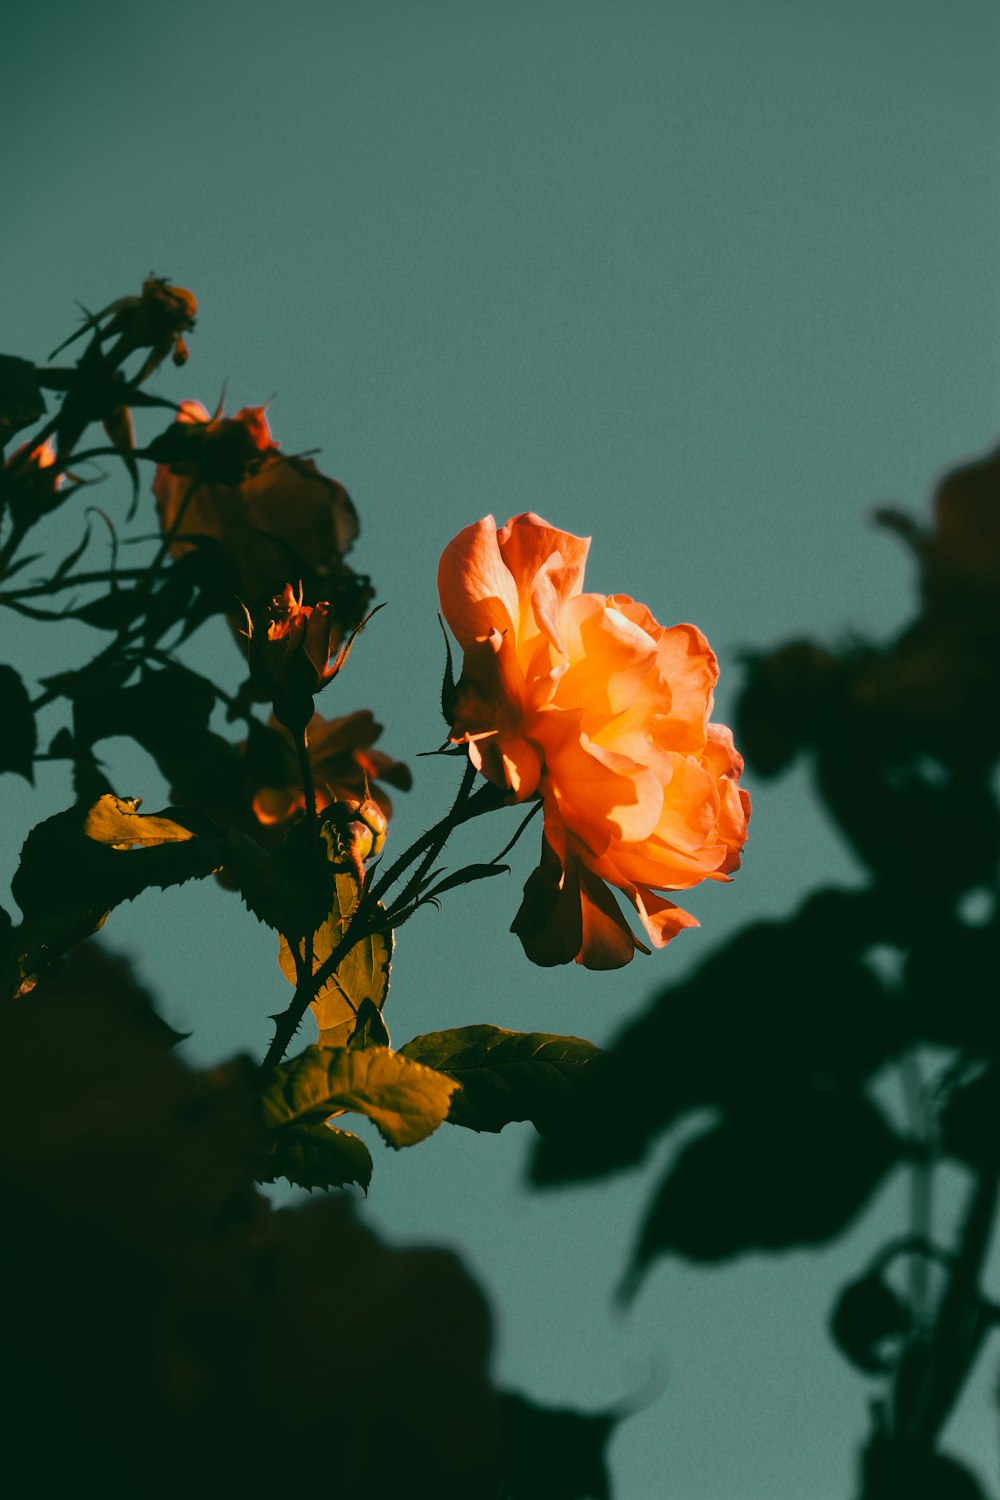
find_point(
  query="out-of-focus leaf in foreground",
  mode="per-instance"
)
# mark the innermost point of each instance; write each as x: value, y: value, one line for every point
x: 555, y: 1455
x: 17, y: 740
x: 781, y: 1002
x: 148, y: 1291
x: 795, y: 1169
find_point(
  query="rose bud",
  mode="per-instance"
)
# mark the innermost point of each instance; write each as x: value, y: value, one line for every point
x: 358, y: 830
x: 290, y: 655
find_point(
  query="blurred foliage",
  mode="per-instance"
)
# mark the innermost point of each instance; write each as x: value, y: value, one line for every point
x: 783, y: 1034
x: 179, y: 1333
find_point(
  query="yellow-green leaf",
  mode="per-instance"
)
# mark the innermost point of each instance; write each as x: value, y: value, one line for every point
x: 363, y: 974
x: 118, y: 822
x: 406, y: 1101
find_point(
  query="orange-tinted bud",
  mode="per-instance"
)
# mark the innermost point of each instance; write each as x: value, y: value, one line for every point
x: 30, y: 481
x: 355, y: 831
x: 367, y: 828
x: 290, y: 655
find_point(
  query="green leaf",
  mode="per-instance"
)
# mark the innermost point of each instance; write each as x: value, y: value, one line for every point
x: 406, y: 1101
x: 17, y: 742
x: 284, y: 888
x: 317, y: 1156
x: 505, y: 1075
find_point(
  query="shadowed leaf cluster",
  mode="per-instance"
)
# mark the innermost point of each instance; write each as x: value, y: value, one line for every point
x: 172, y: 1324
x: 771, y: 1052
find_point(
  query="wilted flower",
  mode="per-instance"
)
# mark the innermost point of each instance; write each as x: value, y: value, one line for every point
x: 29, y: 464
x: 589, y: 703
x: 30, y: 481
x: 156, y: 320
x: 345, y: 767
x: 275, y: 517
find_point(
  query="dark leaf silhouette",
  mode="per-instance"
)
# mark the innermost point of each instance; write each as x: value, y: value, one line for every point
x: 317, y: 1156
x: 17, y: 740
x: 892, y: 1470
x: 21, y: 400
x: 868, y: 1318
x: 782, y: 1001
x: 505, y: 1075
x: 969, y: 1119
x: 549, y: 1454
x: 790, y: 1168
x: 78, y: 865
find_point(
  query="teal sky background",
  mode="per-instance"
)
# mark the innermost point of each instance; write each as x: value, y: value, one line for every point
x: 706, y: 282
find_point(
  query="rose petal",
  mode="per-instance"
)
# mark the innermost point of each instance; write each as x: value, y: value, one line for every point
x: 477, y: 592
x: 608, y: 942
x: 610, y: 657
x: 661, y: 918
x: 547, y: 566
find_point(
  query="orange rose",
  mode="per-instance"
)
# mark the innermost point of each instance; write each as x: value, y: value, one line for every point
x: 590, y: 704
x: 343, y: 764
x: 276, y: 517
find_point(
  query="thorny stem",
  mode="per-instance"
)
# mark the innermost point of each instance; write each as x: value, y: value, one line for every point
x: 305, y: 982
x: 437, y: 844
x: 308, y: 782
x: 367, y: 917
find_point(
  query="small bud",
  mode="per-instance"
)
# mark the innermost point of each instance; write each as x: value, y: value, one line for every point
x: 371, y: 824
x: 356, y: 829
x: 290, y: 655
